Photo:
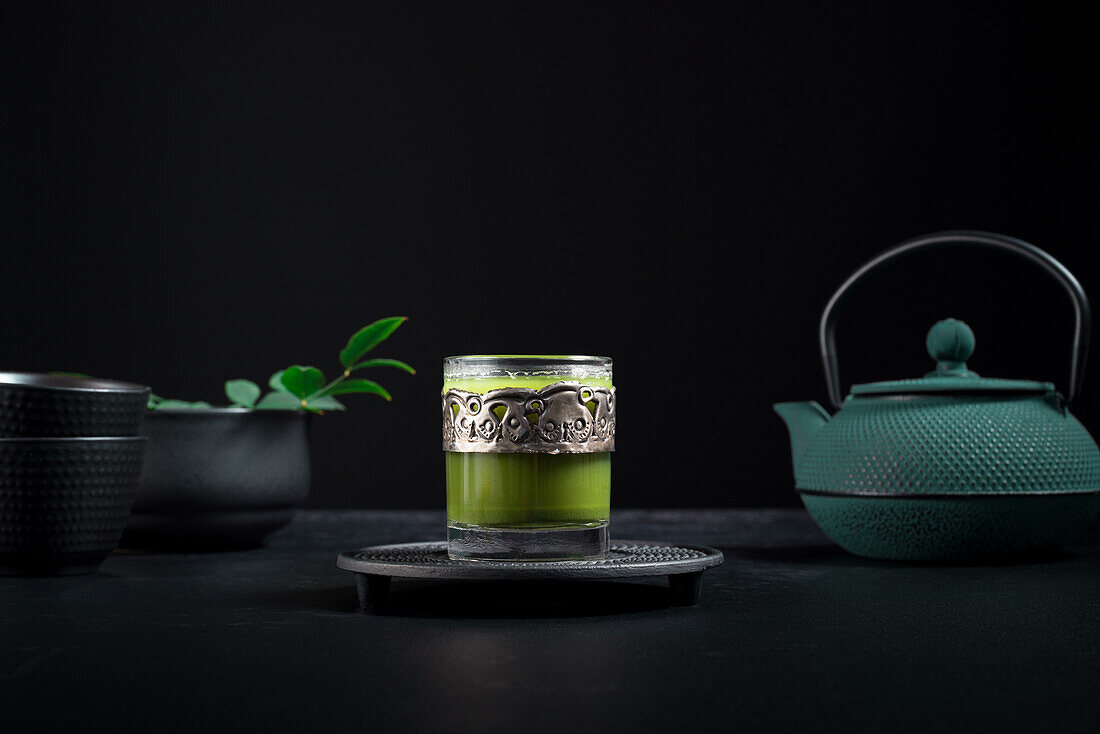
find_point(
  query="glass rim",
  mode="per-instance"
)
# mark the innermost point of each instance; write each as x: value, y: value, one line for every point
x: 499, y: 365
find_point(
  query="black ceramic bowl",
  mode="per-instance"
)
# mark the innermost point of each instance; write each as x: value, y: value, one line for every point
x: 37, y: 406
x: 64, y: 501
x: 219, y: 478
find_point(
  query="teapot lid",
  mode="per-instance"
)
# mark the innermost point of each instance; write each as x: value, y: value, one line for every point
x: 951, y: 342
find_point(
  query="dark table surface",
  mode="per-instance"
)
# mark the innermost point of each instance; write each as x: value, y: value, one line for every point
x: 791, y: 632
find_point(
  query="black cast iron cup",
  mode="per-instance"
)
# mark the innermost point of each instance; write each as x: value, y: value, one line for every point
x: 64, y: 502
x: 55, y: 406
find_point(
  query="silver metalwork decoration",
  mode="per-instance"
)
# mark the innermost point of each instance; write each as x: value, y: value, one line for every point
x: 563, y: 418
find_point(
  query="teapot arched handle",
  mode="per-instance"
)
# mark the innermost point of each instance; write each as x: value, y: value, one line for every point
x: 1083, y: 315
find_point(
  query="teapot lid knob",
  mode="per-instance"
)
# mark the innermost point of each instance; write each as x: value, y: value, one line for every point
x: 950, y: 342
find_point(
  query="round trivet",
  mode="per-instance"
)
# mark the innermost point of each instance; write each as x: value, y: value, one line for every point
x: 377, y: 565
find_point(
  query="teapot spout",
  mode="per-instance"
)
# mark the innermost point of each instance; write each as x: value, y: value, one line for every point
x: 803, y: 421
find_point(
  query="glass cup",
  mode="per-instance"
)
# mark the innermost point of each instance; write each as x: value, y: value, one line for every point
x: 528, y: 442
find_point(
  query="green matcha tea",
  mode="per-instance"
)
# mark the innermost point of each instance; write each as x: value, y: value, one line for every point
x: 528, y: 490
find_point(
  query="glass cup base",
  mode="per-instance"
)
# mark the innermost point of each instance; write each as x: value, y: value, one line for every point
x: 570, y: 542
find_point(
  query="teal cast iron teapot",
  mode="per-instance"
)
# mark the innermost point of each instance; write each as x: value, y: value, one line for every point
x: 950, y: 466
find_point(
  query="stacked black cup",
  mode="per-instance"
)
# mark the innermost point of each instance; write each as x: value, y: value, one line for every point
x: 70, y: 463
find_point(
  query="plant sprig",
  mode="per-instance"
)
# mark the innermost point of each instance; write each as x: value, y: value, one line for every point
x: 300, y: 387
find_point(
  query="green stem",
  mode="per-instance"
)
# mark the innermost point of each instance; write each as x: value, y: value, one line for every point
x: 328, y: 387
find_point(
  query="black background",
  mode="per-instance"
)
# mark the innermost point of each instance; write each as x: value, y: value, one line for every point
x: 197, y: 192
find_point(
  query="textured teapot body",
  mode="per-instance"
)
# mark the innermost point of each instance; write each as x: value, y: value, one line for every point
x: 945, y: 444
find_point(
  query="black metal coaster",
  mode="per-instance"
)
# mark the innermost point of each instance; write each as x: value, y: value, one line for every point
x: 378, y: 565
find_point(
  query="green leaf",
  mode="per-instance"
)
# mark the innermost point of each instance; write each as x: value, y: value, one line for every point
x: 279, y: 401
x: 302, y: 381
x: 358, y: 386
x: 243, y: 393
x: 276, y: 381
x: 325, y: 402
x: 182, y: 404
x: 154, y: 401
x: 383, y: 363
x: 368, y: 338
x: 173, y: 404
